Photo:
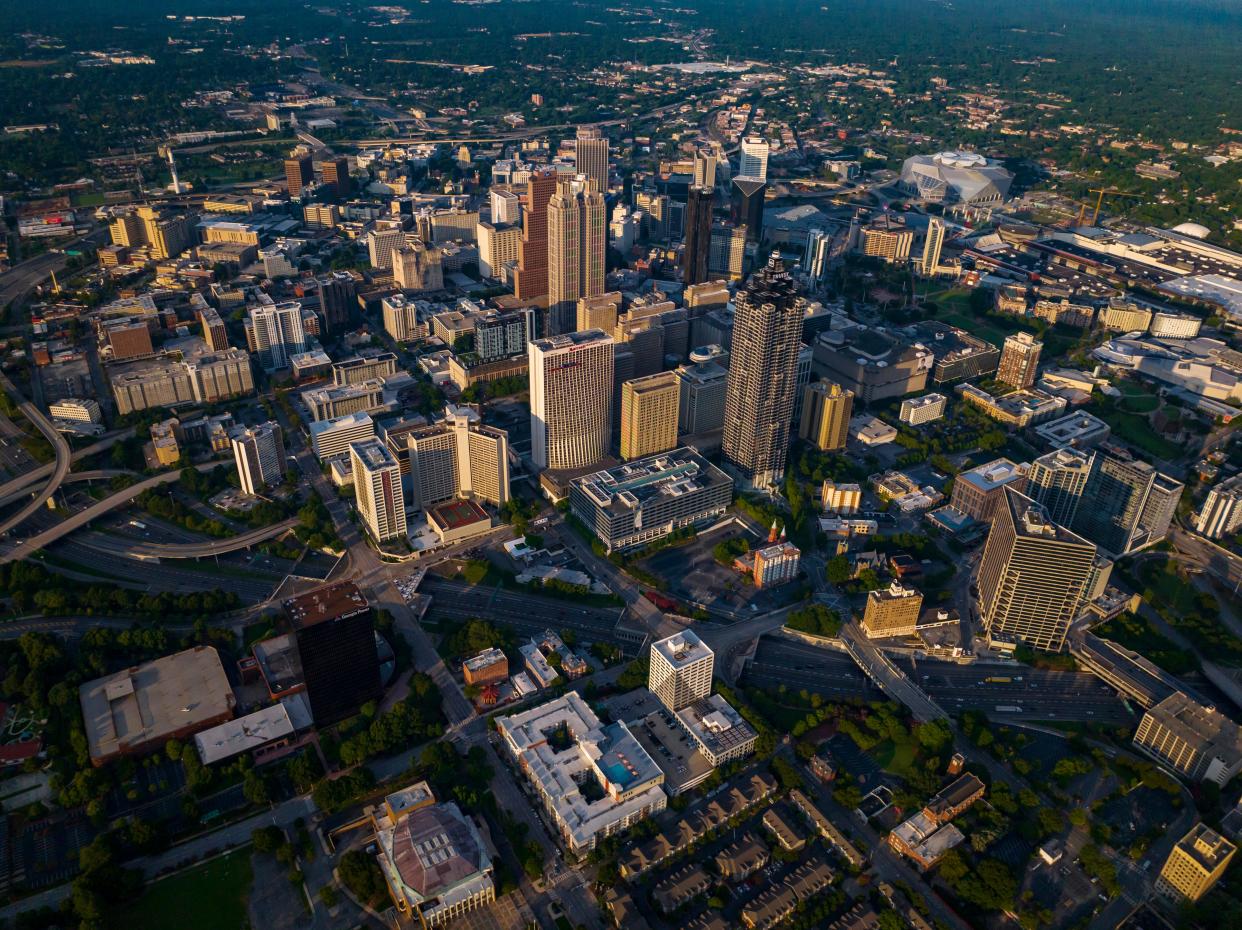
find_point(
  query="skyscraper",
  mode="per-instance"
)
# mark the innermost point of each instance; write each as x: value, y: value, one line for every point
x: 681, y: 669
x: 336, y: 173
x: 418, y: 267
x: 754, y: 158
x: 1131, y: 504
x: 531, y: 279
x: 335, y: 636
x: 336, y: 293
x: 570, y: 399
x: 1058, y: 481
x: 826, y: 409
x: 933, y: 242
x: 458, y: 457
x: 382, y: 242
x: 599, y: 312
x: 705, y: 168
x: 591, y: 156
x: 698, y: 235
x: 259, y: 452
x: 274, y: 332
x: 299, y: 173
x: 1019, y: 361
x: 577, y: 228
x: 759, y: 399
x: 377, y: 488
x: 818, y: 254
x: 1033, y: 575
x: 746, y: 205
x: 214, y: 332
x: 1221, y: 513
x: 1195, y: 864
x: 649, y: 408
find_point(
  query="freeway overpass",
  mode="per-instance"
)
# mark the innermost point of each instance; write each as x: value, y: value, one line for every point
x: 79, y: 520
x: 98, y: 474
x: 144, y: 550
x: 9, y: 489
x: 61, y: 446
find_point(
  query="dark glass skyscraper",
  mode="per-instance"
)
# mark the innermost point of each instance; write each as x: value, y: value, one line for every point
x: 698, y: 235
x: 763, y: 375
x: 746, y: 208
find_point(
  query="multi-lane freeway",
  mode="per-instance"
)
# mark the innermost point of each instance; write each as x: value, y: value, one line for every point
x: 59, y: 444
x: 196, y: 550
x: 1040, y: 694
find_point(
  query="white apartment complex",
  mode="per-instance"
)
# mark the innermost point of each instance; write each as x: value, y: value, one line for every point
x: 680, y: 670
x: 570, y: 399
x: 377, y: 485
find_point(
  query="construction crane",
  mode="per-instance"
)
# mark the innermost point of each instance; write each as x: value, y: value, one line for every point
x: 1101, y: 193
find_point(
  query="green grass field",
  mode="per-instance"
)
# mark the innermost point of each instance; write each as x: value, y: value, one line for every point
x: 1135, y: 430
x: 211, y: 896
x: 897, y: 758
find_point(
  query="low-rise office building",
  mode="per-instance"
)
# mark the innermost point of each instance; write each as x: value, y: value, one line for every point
x: 1199, y: 743
x: 646, y: 499
x: 919, y: 410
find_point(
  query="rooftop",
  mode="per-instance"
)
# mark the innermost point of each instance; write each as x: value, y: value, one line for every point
x: 243, y: 734
x: 993, y: 475
x: 672, y: 474
x: 454, y: 515
x: 373, y: 454
x: 149, y: 703
x: 715, y: 724
x: 682, y: 649
x: 331, y: 602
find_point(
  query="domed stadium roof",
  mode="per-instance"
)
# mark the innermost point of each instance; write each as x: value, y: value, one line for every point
x: 955, y: 177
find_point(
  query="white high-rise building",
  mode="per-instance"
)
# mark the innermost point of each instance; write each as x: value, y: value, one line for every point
x: 754, y: 158
x: 704, y: 168
x: 382, y: 243
x: 377, y: 486
x: 680, y: 670
x: 498, y: 245
x: 570, y: 399
x: 329, y: 438
x: 1221, y: 514
x: 401, y: 320
x: 274, y: 332
x: 259, y: 452
x: 818, y: 253
x: 933, y: 242
x: 506, y: 207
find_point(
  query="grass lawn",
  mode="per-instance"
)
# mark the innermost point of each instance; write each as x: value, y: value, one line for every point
x: 211, y: 896
x: 897, y: 758
x: 1135, y: 430
x: 1137, y: 399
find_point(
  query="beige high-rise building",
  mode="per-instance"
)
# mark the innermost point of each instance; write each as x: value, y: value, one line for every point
x: 1195, y: 864
x: 892, y: 612
x: 418, y: 267
x: 826, y: 409
x: 498, y: 245
x: 707, y: 294
x: 599, y: 312
x: 458, y: 457
x: 763, y: 374
x: 577, y: 239
x: 891, y: 242
x: 649, y: 409
x: 1019, y: 361
x: 591, y: 156
x: 571, y: 383
x: 377, y: 487
x: 128, y: 230
x: 933, y: 242
x: 164, y: 234
x: 1033, y: 575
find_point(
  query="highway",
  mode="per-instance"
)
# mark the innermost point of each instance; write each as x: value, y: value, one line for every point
x: 59, y: 444
x: 78, y: 520
x: 197, y: 550
x: 9, y: 489
x: 1041, y: 694
x: 98, y: 474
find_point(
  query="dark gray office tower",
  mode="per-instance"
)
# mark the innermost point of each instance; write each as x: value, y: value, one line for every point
x: 698, y: 236
x: 1127, y: 505
x: 747, y: 206
x: 1058, y: 481
x: 763, y: 375
x: 336, y: 294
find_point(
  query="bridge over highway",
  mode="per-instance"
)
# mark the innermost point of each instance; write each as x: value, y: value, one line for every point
x: 145, y: 550
x: 61, y: 446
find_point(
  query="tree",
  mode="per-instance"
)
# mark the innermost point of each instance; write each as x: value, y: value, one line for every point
x: 361, y: 875
x: 838, y: 570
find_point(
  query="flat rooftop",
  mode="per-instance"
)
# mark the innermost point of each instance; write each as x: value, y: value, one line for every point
x: 672, y: 474
x: 331, y: 602
x: 147, y: 704
x: 454, y: 515
x: 993, y: 475
x: 715, y: 724
x: 682, y: 649
x: 243, y: 734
